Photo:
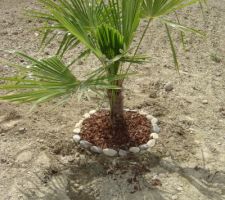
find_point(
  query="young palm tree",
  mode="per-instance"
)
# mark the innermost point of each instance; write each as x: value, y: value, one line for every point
x: 105, y: 28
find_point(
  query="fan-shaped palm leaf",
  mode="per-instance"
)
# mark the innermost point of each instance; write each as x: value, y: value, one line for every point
x: 49, y: 78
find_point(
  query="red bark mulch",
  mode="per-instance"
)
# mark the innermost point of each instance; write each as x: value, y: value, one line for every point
x: 98, y: 130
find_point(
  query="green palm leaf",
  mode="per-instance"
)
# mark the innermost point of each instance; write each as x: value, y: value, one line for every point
x: 157, y: 8
x: 49, y: 78
x: 41, y: 81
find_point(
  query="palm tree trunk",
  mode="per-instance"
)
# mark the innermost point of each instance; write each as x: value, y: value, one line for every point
x: 117, y: 110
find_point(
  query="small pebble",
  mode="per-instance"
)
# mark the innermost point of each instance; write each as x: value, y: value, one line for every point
x: 81, y: 188
x: 85, y: 144
x: 155, y: 128
x: 96, y: 149
x: 154, y: 135
x: 150, y: 117
x: 144, y: 146
x: 92, y: 112
x: 76, y: 138
x: 78, y: 125
x: 134, y: 149
x: 76, y: 130
x: 109, y: 152
x: 22, y: 130
x: 122, y: 153
x: 180, y: 189
x: 40, y: 140
x: 87, y: 115
x: 154, y: 121
x: 169, y: 87
x: 151, y: 143
x: 205, y: 102
x: 143, y: 113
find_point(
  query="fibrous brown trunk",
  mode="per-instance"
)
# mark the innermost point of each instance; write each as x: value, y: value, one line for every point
x: 117, y: 110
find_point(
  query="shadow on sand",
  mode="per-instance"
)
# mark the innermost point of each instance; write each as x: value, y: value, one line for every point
x: 131, y: 172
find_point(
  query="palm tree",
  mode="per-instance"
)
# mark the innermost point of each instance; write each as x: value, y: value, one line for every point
x: 105, y: 28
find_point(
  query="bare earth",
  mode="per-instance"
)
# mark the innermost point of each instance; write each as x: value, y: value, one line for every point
x: 39, y: 159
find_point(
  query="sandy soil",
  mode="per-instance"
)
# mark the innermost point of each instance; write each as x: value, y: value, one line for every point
x: 38, y: 158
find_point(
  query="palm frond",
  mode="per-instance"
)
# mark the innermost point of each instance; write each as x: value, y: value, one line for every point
x: 157, y: 8
x: 42, y: 81
x: 77, y: 19
x: 49, y: 78
x: 130, y: 19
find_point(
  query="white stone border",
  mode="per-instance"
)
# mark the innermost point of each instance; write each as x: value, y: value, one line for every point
x: 111, y: 152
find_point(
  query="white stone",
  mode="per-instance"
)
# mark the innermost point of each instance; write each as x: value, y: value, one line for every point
x: 85, y: 144
x: 76, y: 138
x: 180, y: 189
x: 76, y: 131
x: 154, y: 135
x: 205, y: 102
x: 109, y: 152
x: 169, y: 87
x: 134, y: 149
x: 151, y: 143
x: 142, y: 112
x: 96, y: 149
x: 149, y: 117
x: 144, y: 147
x: 126, y: 109
x: 122, y: 153
x: 92, y: 112
x: 78, y: 125
x: 154, y: 121
x: 86, y: 115
x: 155, y: 128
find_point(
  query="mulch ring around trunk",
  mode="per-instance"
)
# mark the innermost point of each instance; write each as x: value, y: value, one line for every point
x: 98, y: 130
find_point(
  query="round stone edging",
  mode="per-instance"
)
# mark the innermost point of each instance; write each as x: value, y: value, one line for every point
x: 111, y: 152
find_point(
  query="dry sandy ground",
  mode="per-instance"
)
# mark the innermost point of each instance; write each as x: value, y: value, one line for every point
x: 38, y: 158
